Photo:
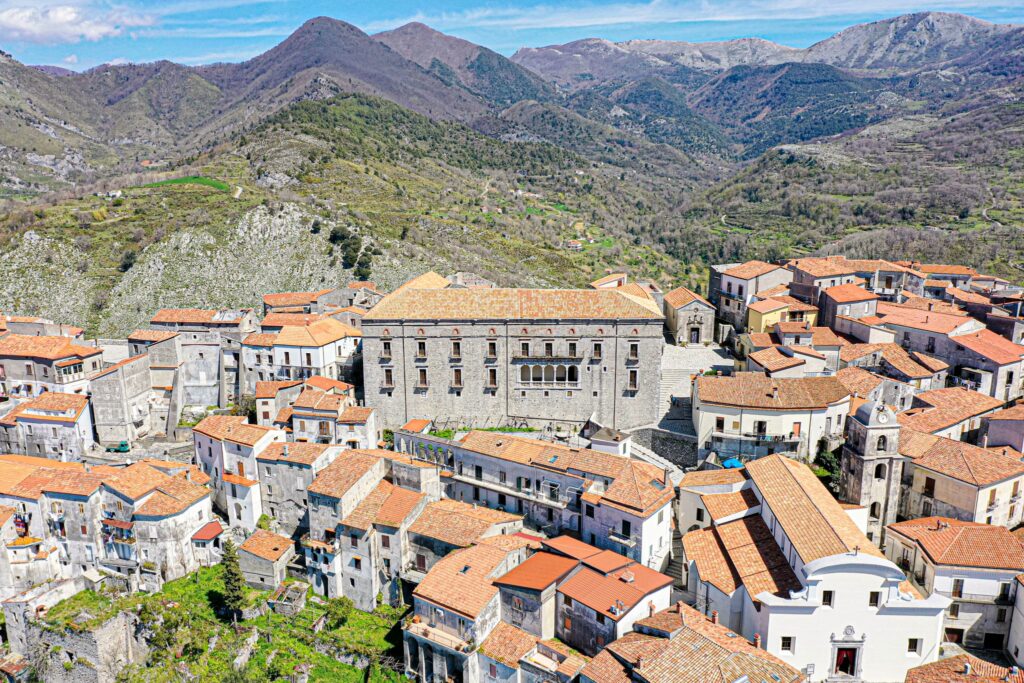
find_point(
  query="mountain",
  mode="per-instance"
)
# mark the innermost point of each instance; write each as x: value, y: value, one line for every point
x: 327, y: 56
x: 911, y: 41
x: 53, y: 70
x: 456, y: 61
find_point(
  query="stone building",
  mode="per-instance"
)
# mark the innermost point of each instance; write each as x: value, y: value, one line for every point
x: 455, y: 608
x: 871, y: 467
x: 1006, y: 428
x: 611, y: 500
x: 123, y: 400
x: 264, y: 557
x: 484, y: 357
x: 313, y: 346
x: 52, y: 425
x: 689, y: 317
x: 374, y: 543
x: 947, y: 478
x: 921, y: 371
x: 738, y: 286
x: 285, y: 471
x: 31, y: 365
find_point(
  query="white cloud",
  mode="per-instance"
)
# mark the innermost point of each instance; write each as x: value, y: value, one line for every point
x: 72, y: 22
x: 118, y: 61
x: 590, y: 14
x: 214, y: 57
x: 71, y: 60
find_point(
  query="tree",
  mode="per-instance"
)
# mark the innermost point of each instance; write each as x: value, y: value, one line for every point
x: 339, y: 610
x: 234, y: 581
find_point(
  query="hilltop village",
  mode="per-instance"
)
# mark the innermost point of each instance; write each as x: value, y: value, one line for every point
x: 803, y: 471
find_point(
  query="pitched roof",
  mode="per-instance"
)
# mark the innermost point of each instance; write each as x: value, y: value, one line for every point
x: 713, y: 477
x: 513, y: 304
x: 267, y: 545
x: 46, y: 348
x: 457, y: 523
x: 301, y: 452
x: 858, y: 380
x: 538, y: 572
x: 757, y: 391
x: 773, y: 359
x: 198, y: 316
x: 849, y: 293
x: 691, y: 649
x: 992, y: 346
x: 1013, y: 413
x: 293, y: 298
x: 767, y: 305
x: 956, y: 459
x: 208, y: 531
x: 964, y: 544
x: 571, y: 547
x: 416, y: 426
x: 896, y: 356
x: 946, y: 407
x: 601, y: 593
x: 232, y: 428
x: 261, y: 339
x: 172, y: 496
x: 329, y: 385
x: 153, y: 336
x: 750, y: 270
x: 812, y: 519
x: 722, y: 505
x: 640, y: 488
x: 929, y: 321
x: 319, y: 333
x: 120, y: 364
x: 508, y: 644
x: 136, y: 480
x: 680, y: 296
x: 952, y: 670
x: 461, y: 581
x: 270, y: 389
x: 67, y: 406
x: 337, y: 478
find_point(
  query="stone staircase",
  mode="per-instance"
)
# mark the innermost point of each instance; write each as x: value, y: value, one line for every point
x: 673, y: 381
x: 675, y: 565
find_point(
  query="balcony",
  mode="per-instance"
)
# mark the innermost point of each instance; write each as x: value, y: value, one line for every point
x: 621, y: 539
x: 541, y: 496
x: 992, y: 506
x: 439, y: 637
x: 555, y: 384
x: 978, y: 598
x: 124, y: 540
x: 548, y: 357
x: 296, y: 372
x: 757, y: 437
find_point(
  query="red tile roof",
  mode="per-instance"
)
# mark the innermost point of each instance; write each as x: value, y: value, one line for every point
x: 538, y: 572
x: 208, y: 531
x: 267, y: 545
x: 964, y: 544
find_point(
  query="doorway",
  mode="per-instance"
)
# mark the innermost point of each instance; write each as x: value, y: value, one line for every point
x: 846, y: 661
x: 695, y: 335
x: 993, y: 641
x: 954, y: 635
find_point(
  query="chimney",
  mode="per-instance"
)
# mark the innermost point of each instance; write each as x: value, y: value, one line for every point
x: 650, y: 608
x: 984, y: 441
x: 757, y: 640
x: 775, y: 392
x: 931, y: 305
x: 639, y: 663
x: 714, y: 616
x: 967, y: 668
x: 285, y: 450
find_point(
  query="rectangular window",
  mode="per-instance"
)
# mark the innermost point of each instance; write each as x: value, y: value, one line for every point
x: 597, y: 350
x: 385, y: 541
x: 492, y: 349
x: 423, y: 377
x: 549, y: 349
x: 828, y: 598
x: 567, y: 623
x: 385, y: 350
x: 958, y: 588
x: 421, y: 348
x: 456, y: 349
x: 389, y: 377
x: 719, y: 424
x: 524, y: 349
x: 634, y: 351
x: 1001, y: 615
x: 788, y: 644
x: 700, y: 514
x: 357, y: 564
x: 600, y: 618
x: 572, y: 349
x: 457, y: 377
x: 492, y: 378
x: 590, y: 511
x: 914, y: 646
x: 354, y: 540
x: 493, y: 670
x: 874, y: 598
x: 634, y: 380
x: 568, y: 601
x: 954, y: 610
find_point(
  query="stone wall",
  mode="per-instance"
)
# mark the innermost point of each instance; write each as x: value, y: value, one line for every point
x: 679, y: 449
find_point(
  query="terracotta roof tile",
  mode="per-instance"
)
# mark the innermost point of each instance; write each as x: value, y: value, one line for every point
x: 46, y: 348
x: 750, y: 270
x: 713, y: 477
x: 756, y: 391
x: 337, y: 478
x: 457, y: 523
x: 956, y: 459
x: 992, y: 346
x: 461, y: 581
x: 946, y: 407
x: 232, y: 428
x: 600, y: 592
x: 208, y: 531
x: 293, y: 298
x: 773, y: 359
x: 315, y: 334
x: 570, y: 547
x: 849, y: 293
x: 951, y: 670
x: 964, y: 544
x: 508, y: 644
x: 270, y: 389
x: 722, y: 505
x: 538, y: 572
x: 301, y: 452
x: 154, y: 336
x: 812, y: 519
x: 513, y: 304
x: 267, y: 545
x: 680, y: 296
x: 1013, y: 413
x: 261, y: 339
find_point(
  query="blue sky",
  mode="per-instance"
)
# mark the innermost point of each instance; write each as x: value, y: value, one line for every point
x: 80, y: 34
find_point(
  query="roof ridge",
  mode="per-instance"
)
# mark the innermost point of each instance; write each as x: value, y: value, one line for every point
x: 807, y: 493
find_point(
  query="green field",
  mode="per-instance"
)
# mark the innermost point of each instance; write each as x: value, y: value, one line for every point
x: 193, y: 180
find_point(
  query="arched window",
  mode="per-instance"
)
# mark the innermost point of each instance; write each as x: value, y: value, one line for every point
x: 875, y: 511
x: 880, y: 470
x: 549, y: 373
x: 560, y: 373
x: 882, y: 443
x: 538, y: 374
x: 524, y: 373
